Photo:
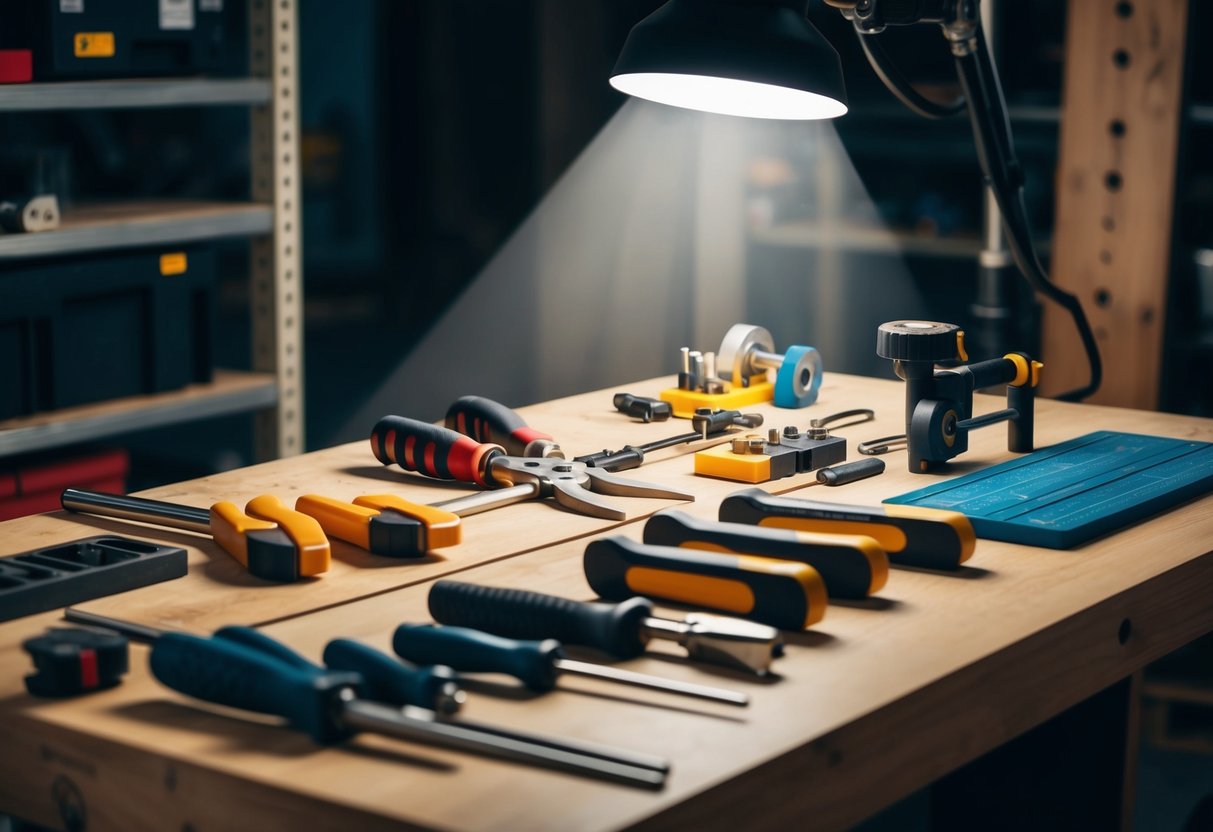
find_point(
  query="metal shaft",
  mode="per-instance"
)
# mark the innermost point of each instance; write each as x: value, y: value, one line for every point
x: 137, y: 632
x: 418, y: 725
x: 136, y: 508
x: 489, y: 500
x: 720, y: 640
x: 643, y: 680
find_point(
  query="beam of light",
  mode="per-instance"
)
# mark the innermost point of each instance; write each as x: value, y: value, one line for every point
x: 670, y: 227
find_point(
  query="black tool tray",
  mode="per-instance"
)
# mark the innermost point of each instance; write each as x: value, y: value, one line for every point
x: 58, y: 576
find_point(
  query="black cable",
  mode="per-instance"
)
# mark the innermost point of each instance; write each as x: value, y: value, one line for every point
x: 995, y: 152
x: 897, y: 84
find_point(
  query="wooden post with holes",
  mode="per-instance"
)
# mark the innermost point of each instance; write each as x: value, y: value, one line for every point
x: 275, y: 269
x: 1115, y: 193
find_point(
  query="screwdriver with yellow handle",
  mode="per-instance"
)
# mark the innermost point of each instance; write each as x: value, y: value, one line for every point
x: 853, y: 566
x: 781, y: 593
x: 271, y: 541
x: 384, y: 524
x: 911, y: 535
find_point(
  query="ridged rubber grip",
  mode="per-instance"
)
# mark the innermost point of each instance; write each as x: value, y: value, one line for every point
x: 242, y: 671
x: 431, y: 450
x: 488, y: 421
x: 518, y: 613
x: 918, y: 341
x: 531, y: 662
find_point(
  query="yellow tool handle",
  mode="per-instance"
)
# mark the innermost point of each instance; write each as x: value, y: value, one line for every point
x: 312, y: 550
x: 911, y: 535
x: 780, y: 593
x: 258, y: 545
x: 383, y: 524
x: 441, y: 527
x: 853, y: 566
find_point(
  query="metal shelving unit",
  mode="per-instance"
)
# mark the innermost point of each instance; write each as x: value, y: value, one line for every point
x: 126, y: 225
x: 129, y: 94
x: 230, y: 392
x: 274, y: 390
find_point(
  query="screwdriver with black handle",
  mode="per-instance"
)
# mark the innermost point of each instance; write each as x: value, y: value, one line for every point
x: 537, y: 664
x: 364, y: 690
x: 782, y: 593
x: 621, y: 630
x: 911, y: 535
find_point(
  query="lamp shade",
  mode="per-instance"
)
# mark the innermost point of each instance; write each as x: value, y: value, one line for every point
x: 755, y: 58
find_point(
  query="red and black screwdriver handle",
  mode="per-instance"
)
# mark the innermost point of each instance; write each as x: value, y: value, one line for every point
x: 432, y: 450
x: 488, y: 421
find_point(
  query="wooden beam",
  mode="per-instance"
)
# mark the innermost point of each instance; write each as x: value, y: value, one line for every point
x: 1115, y: 192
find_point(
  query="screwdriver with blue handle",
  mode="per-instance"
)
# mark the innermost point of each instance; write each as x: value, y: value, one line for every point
x: 536, y: 664
x: 360, y: 690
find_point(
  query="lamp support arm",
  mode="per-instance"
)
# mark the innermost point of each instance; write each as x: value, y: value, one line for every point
x: 1000, y: 167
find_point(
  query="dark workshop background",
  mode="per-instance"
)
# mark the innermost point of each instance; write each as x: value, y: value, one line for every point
x: 431, y: 129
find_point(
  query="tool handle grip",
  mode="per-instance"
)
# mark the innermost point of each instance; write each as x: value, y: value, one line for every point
x: 850, y: 471
x: 781, y: 593
x: 518, y: 613
x: 488, y: 421
x: 852, y: 566
x: 389, y: 680
x: 911, y: 535
x: 531, y: 662
x: 230, y: 670
x: 431, y: 450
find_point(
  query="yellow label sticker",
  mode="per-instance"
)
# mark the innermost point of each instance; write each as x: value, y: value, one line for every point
x: 174, y: 263
x: 94, y: 44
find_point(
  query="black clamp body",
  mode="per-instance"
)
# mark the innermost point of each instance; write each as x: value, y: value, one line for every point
x: 939, y: 403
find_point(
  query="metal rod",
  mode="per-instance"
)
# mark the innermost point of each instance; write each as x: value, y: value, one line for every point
x: 589, y: 749
x: 136, y: 508
x: 643, y: 680
x: 130, y: 629
x: 988, y: 419
x: 489, y: 500
x: 409, y: 724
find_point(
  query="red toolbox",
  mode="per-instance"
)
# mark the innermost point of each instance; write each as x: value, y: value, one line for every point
x: 33, y: 486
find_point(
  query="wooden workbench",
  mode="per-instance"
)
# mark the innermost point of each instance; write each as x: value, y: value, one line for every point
x: 880, y: 699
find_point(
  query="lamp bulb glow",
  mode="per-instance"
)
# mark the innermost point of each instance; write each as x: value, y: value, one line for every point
x: 728, y: 96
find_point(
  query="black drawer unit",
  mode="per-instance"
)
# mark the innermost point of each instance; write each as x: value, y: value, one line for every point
x: 124, y: 38
x: 75, y: 331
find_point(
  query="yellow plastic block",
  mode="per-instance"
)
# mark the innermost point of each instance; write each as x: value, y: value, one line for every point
x: 684, y: 402
x: 721, y: 462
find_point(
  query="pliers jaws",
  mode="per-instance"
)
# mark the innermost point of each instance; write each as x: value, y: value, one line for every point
x: 573, y: 484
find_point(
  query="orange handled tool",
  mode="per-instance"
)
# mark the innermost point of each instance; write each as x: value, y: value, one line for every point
x: 912, y: 536
x: 782, y: 593
x: 853, y: 566
x: 383, y: 524
x: 271, y: 541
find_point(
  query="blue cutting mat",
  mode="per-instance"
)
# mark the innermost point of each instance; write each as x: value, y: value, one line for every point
x: 1064, y: 495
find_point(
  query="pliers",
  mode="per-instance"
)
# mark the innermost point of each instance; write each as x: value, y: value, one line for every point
x: 488, y: 421
x: 445, y: 454
x: 271, y: 541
